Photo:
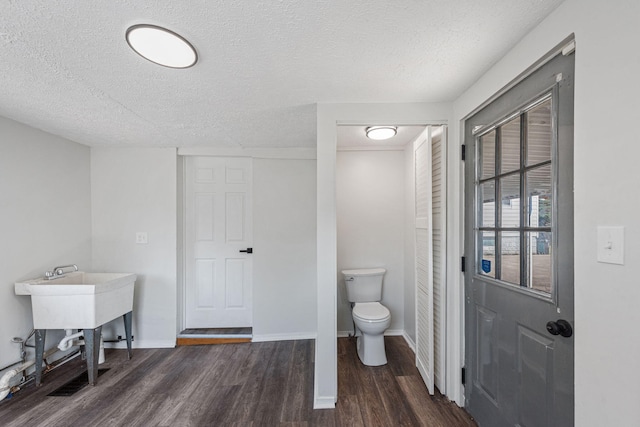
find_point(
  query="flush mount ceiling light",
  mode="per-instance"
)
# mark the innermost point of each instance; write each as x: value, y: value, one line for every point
x: 380, y: 133
x: 161, y: 46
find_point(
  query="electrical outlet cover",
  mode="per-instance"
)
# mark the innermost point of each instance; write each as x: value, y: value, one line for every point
x: 142, y: 238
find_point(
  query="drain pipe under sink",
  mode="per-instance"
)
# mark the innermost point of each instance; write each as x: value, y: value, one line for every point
x: 5, y: 388
x: 67, y: 342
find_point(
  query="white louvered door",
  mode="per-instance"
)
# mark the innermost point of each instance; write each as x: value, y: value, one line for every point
x: 424, y: 259
x: 438, y: 226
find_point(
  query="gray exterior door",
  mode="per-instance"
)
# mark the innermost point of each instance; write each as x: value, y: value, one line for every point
x: 519, y: 253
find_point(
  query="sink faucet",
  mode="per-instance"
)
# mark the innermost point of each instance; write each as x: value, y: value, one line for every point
x: 59, y: 271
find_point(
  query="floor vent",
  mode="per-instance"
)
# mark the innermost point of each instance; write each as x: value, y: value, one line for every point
x: 75, y: 385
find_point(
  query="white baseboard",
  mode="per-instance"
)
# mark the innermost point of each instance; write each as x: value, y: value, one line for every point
x: 143, y: 344
x: 388, y: 333
x: 324, y: 402
x: 410, y: 343
x: 284, y: 337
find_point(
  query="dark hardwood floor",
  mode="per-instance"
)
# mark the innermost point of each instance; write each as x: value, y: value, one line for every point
x: 257, y: 384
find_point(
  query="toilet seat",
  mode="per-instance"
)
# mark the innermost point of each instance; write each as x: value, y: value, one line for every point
x: 371, y: 312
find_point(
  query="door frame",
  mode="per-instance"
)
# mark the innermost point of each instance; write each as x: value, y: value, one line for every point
x: 182, y: 154
x: 181, y: 294
x: 329, y: 116
x: 566, y: 46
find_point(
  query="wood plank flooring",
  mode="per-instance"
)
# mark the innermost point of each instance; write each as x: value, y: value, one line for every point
x: 255, y: 384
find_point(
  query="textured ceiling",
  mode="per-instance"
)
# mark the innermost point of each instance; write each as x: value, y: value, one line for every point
x: 66, y: 68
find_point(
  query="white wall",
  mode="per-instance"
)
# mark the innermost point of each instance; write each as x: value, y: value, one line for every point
x: 409, y: 245
x: 284, y: 234
x: 605, y: 180
x: 135, y: 190
x: 45, y: 219
x: 370, y: 215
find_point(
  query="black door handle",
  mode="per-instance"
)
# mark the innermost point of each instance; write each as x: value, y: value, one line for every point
x: 560, y: 327
x: 248, y: 250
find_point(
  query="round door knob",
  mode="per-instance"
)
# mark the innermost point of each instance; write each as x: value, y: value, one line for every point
x: 560, y: 327
x: 552, y: 328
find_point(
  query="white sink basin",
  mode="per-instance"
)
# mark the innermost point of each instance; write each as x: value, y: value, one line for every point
x: 78, y: 300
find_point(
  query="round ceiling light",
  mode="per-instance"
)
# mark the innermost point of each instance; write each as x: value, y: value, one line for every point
x: 161, y: 46
x: 380, y: 133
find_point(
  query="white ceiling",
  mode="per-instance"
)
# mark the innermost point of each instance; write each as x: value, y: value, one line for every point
x: 66, y: 68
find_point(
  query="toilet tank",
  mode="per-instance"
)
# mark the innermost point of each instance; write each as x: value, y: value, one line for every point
x: 364, y: 285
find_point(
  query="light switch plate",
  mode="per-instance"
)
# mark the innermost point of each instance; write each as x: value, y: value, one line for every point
x: 611, y: 245
x: 142, y: 238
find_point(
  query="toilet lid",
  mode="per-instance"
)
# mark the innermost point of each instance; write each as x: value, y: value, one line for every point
x: 370, y: 311
x: 364, y: 272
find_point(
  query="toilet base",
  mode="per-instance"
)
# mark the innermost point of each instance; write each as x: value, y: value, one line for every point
x: 371, y: 350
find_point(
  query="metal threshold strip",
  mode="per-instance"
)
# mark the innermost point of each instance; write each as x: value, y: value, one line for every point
x: 214, y: 336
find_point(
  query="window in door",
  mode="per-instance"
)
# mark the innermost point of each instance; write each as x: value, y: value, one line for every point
x: 515, y: 194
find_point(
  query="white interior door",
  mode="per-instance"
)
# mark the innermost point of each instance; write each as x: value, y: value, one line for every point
x: 424, y: 259
x: 218, y: 287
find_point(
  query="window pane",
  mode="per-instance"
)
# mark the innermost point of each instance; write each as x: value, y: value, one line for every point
x: 487, y: 155
x: 488, y: 209
x: 510, y: 257
x: 539, y: 196
x: 510, y: 146
x: 539, y: 256
x: 510, y: 201
x: 539, y: 134
x: 486, y: 266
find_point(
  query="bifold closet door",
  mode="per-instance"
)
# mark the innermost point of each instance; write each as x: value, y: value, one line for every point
x: 439, y: 247
x: 424, y: 259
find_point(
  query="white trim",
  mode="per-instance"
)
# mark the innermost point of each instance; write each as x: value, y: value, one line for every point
x: 410, y: 343
x: 455, y: 278
x: 257, y: 153
x: 142, y: 344
x: 387, y: 333
x: 324, y: 402
x: 284, y: 337
x: 181, y: 315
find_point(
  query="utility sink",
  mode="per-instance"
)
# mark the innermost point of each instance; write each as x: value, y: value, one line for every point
x: 78, y: 300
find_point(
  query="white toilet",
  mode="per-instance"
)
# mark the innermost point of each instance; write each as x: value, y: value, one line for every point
x: 364, y: 288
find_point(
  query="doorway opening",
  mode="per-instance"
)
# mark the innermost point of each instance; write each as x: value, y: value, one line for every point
x: 217, y: 238
x: 391, y: 214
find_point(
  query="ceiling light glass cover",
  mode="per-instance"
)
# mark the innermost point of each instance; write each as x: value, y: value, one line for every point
x: 380, y: 133
x: 161, y: 46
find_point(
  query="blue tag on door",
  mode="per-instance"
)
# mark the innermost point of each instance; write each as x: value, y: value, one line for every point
x: 486, y: 266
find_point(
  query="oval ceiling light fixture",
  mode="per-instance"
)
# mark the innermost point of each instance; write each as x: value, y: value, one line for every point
x: 161, y: 46
x: 380, y: 133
